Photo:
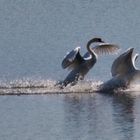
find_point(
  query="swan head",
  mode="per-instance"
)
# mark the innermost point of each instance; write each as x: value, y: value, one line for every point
x: 96, y: 40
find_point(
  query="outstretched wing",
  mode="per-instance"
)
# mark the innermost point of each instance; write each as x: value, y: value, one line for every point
x: 124, y: 63
x: 105, y: 48
x: 72, y: 59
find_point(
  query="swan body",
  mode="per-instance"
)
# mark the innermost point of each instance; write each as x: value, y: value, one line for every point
x: 123, y: 71
x: 80, y: 65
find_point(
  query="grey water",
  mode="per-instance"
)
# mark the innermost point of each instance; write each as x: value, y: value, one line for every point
x: 70, y: 117
x: 35, y: 35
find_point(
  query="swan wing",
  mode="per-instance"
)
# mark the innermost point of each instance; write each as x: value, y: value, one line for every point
x: 105, y: 48
x: 72, y: 59
x: 135, y: 57
x: 102, y: 48
x: 124, y: 63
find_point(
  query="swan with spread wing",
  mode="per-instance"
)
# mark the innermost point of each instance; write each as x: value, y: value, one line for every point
x: 123, y: 71
x: 80, y: 65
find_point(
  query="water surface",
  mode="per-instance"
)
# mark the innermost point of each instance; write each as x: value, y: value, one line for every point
x: 34, y: 37
x: 71, y: 117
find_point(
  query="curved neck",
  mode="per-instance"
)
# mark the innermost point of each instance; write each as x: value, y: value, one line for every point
x: 89, y: 49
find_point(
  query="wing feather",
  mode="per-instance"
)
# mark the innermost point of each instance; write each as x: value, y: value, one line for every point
x: 124, y: 63
x: 72, y: 59
x: 135, y: 57
x: 105, y: 48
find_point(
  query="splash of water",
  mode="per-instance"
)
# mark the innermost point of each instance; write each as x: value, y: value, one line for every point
x: 30, y: 86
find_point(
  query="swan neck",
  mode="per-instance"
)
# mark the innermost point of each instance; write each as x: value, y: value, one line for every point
x: 90, y: 50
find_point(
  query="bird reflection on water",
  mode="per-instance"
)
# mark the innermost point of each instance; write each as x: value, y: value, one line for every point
x: 99, y: 116
x: 123, y: 112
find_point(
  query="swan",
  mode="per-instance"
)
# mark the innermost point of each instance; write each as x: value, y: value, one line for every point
x: 123, y: 71
x: 80, y: 65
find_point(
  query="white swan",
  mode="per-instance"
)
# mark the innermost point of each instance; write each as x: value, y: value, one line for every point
x: 124, y: 72
x: 80, y: 65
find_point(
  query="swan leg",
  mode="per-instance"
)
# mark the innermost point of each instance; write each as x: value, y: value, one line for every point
x: 73, y: 77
